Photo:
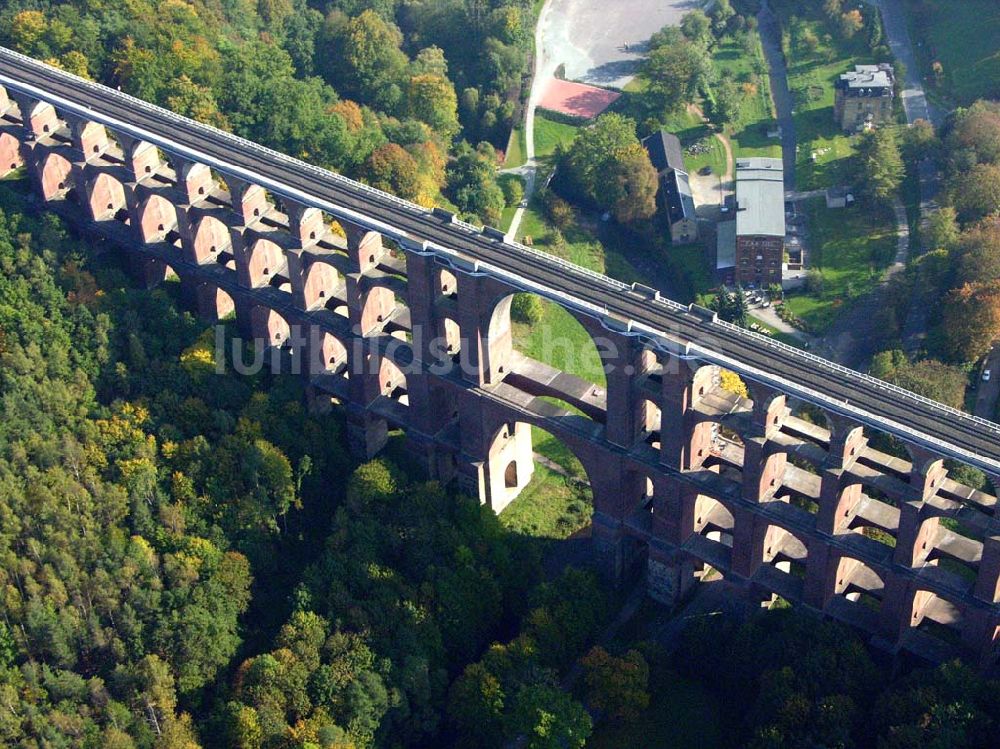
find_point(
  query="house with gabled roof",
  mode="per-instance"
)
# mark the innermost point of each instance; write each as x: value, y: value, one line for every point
x: 674, y: 196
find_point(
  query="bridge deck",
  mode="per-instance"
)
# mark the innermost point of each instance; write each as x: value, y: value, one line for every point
x: 664, y: 323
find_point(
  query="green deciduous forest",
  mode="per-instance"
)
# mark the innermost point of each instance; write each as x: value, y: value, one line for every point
x: 191, y: 558
x: 381, y: 91
x: 182, y: 562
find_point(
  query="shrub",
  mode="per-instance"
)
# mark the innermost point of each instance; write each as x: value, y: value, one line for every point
x: 526, y: 308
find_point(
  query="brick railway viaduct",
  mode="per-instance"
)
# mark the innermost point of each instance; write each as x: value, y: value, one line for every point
x: 404, y: 318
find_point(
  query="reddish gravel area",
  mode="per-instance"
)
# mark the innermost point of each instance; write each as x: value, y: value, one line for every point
x: 576, y: 99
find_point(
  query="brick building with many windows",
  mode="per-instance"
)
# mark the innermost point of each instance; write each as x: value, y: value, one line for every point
x: 751, y: 249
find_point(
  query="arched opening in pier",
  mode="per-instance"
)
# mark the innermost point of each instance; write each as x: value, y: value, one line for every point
x: 382, y: 312
x: 935, y: 617
x: 392, y: 382
x: 57, y: 178
x: 330, y: 365
x: 212, y: 241
x: 649, y: 420
x: 858, y: 583
x: 944, y: 545
x: 333, y: 355
x: 158, y: 221
x: 451, y: 345
x: 266, y: 263
x: 786, y: 553
x: 447, y: 284
x: 323, y: 286
x: 107, y: 199
x: 10, y: 154
x: 542, y: 489
x: 270, y: 329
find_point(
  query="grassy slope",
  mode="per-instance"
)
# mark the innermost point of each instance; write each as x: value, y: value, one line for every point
x: 850, y: 247
x: 749, y: 134
x: 811, y: 75
x: 961, y: 35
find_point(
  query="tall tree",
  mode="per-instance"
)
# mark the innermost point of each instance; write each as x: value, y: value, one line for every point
x: 632, y: 185
x: 970, y: 321
x: 431, y: 98
x: 675, y: 73
x: 881, y: 163
x: 976, y: 193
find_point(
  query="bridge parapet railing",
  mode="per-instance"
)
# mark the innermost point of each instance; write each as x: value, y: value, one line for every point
x: 874, y: 381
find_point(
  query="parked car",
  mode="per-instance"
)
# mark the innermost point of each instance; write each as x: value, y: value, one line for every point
x: 766, y: 303
x: 986, y: 375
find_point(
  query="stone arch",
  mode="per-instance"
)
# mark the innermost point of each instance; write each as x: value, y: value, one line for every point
x: 713, y: 520
x: 709, y: 444
x: 858, y: 583
x: 938, y: 617
x: 266, y: 261
x: 10, y: 154
x: 810, y: 423
x: 511, y: 465
x: 153, y: 271
x: 334, y: 355
x: 107, y: 199
x: 866, y: 511
x: 56, y: 177
x: 784, y: 550
x: 570, y: 345
x: 446, y: 283
x: 377, y: 309
x: 158, y: 220
x: 211, y: 240
x: 392, y: 382
x: 947, y: 549
x: 214, y: 303
x: 321, y: 284
x: 269, y: 327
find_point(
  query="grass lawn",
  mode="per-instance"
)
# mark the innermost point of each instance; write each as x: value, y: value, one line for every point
x: 560, y: 341
x: 516, y: 153
x: 688, y: 127
x: 550, y: 506
x: 681, y: 715
x: 748, y: 133
x: 549, y: 133
x: 850, y: 248
x: 962, y: 36
x: 824, y: 151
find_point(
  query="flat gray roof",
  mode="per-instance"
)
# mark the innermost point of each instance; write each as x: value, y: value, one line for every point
x: 725, y: 245
x: 760, y: 197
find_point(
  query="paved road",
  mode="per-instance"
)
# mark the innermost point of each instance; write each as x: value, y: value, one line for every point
x: 989, y: 392
x: 770, y: 36
x: 915, y: 101
x: 544, y: 68
x: 418, y: 230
